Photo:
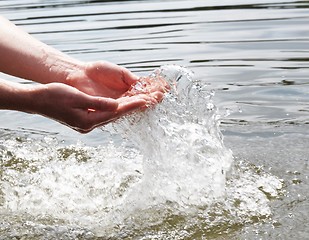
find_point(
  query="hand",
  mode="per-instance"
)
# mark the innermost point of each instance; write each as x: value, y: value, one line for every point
x: 110, y: 80
x: 81, y: 111
x: 102, y: 79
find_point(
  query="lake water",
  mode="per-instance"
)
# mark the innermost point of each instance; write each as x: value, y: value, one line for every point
x: 225, y: 156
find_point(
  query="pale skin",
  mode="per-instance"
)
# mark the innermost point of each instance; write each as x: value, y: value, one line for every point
x: 80, y: 95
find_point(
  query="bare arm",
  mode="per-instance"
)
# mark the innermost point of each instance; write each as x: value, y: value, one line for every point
x: 25, y: 57
x: 14, y: 96
x: 80, y: 95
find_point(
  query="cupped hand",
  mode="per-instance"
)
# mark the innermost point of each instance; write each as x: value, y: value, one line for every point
x: 103, y: 79
x: 106, y: 79
x: 81, y: 111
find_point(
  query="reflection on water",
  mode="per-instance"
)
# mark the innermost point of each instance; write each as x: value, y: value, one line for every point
x: 178, y: 180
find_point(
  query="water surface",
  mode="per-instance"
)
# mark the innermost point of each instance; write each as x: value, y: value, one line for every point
x: 250, y: 57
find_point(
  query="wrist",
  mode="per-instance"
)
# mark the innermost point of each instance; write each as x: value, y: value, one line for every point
x: 74, y: 72
x: 61, y: 68
x: 19, y: 97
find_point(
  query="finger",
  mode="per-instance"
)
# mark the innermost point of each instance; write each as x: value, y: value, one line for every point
x: 148, y: 100
x: 94, y: 119
x: 128, y: 77
x: 103, y: 104
x: 158, y: 96
x: 152, y: 98
x: 98, y: 104
x: 130, y: 104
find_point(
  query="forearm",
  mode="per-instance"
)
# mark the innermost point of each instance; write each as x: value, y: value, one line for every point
x: 14, y: 96
x: 23, y: 56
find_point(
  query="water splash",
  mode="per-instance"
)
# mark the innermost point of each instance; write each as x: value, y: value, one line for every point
x: 172, y: 178
x: 187, y: 178
x: 184, y: 159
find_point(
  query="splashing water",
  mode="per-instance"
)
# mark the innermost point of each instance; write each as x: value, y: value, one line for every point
x: 186, y: 165
x: 172, y: 178
x: 184, y: 160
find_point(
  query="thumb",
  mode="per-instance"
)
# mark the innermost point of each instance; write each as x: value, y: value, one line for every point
x: 129, y: 77
x: 100, y: 104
